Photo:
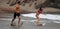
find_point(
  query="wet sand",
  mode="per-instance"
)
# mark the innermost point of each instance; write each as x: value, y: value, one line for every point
x: 27, y: 23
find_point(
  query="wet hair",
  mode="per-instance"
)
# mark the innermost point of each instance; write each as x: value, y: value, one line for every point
x: 18, y: 2
x: 40, y: 8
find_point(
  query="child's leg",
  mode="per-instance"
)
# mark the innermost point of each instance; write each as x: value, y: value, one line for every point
x: 13, y: 18
x: 38, y: 18
x: 19, y: 19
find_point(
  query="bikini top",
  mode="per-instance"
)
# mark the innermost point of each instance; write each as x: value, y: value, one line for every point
x: 39, y: 11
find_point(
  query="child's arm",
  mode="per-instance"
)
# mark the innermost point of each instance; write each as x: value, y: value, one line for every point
x: 44, y: 12
x: 15, y: 10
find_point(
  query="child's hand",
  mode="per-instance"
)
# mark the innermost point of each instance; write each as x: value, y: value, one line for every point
x: 18, y: 12
x: 44, y: 13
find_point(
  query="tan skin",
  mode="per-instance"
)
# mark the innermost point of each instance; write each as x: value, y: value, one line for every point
x: 38, y: 17
x: 17, y: 11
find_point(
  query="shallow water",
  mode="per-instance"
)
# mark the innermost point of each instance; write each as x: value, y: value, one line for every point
x: 54, y: 17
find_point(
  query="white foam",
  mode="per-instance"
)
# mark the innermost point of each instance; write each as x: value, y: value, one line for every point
x: 56, y: 21
x: 48, y: 16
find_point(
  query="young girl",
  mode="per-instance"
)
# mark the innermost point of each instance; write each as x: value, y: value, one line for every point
x: 39, y: 11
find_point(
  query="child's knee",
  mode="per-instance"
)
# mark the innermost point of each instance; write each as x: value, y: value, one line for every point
x: 19, y: 17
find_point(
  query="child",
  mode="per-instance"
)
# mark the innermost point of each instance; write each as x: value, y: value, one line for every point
x: 39, y: 11
x: 16, y: 10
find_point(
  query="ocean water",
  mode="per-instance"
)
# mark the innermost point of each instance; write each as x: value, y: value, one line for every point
x: 54, y: 17
x: 47, y: 16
